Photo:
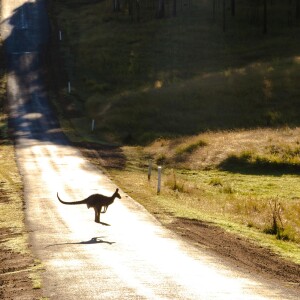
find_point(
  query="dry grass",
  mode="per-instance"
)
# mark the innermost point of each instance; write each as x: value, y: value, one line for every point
x: 13, y: 232
x: 221, y: 145
x: 11, y: 202
x: 238, y: 201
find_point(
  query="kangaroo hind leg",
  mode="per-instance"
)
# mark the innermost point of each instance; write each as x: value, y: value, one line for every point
x: 97, y: 215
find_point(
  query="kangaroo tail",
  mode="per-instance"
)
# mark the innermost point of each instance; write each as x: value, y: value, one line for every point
x: 72, y: 203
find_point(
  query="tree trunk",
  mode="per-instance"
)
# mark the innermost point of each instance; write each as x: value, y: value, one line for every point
x: 265, y: 17
x: 138, y: 9
x: 233, y: 8
x: 116, y: 5
x: 224, y: 15
x: 174, y: 8
x: 214, y: 9
x: 130, y: 9
x: 161, y: 9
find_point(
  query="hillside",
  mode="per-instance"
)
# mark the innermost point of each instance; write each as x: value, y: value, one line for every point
x: 181, y: 75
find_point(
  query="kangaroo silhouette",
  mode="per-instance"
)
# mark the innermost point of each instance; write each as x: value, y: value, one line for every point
x: 97, y: 201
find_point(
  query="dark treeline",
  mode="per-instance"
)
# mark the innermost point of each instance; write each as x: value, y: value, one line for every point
x: 137, y: 9
x: 257, y: 12
x: 254, y: 12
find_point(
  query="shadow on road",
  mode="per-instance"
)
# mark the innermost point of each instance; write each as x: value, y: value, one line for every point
x: 105, y: 224
x: 94, y: 240
x: 26, y: 39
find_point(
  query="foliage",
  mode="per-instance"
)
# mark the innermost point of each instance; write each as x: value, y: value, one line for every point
x: 276, y: 223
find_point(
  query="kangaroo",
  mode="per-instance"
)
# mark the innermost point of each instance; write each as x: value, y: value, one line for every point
x: 96, y: 201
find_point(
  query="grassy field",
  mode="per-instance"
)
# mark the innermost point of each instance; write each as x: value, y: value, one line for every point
x: 218, y: 110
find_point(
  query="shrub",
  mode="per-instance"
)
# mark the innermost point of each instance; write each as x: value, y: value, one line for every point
x: 161, y: 159
x: 228, y: 189
x: 276, y: 227
x: 216, y: 181
x: 188, y: 149
x: 177, y: 184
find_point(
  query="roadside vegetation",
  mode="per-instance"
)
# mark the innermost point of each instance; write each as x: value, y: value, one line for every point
x: 219, y: 111
x: 254, y: 199
x: 19, y: 271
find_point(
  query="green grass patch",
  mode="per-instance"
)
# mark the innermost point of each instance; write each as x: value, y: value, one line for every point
x: 35, y: 275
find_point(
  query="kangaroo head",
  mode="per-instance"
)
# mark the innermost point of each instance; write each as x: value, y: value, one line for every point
x: 116, y: 194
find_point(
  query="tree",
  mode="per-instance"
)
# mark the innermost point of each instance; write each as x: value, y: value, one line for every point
x: 233, y: 8
x: 224, y: 15
x: 138, y: 8
x: 174, y: 8
x: 130, y: 9
x: 116, y: 5
x: 214, y: 9
x: 265, y: 17
x: 161, y: 9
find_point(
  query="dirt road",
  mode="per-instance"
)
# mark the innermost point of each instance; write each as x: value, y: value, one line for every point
x: 132, y: 256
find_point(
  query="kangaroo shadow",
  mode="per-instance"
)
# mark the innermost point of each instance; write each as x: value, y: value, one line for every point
x: 102, y: 223
x: 94, y: 240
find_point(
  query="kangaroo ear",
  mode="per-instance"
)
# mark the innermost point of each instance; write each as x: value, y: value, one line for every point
x: 117, y: 190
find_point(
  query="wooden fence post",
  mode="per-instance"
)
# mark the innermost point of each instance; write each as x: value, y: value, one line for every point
x: 158, y: 179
